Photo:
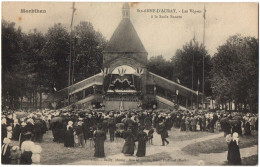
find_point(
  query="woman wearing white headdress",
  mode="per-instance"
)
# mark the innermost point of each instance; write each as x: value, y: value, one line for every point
x: 5, y: 151
x: 3, y: 129
x: 233, y: 157
x: 69, y: 137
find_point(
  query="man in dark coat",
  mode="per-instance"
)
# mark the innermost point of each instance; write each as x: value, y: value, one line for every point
x: 38, y: 131
x: 16, y: 132
x: 193, y: 123
x: 99, y: 139
x: 247, y: 129
x: 111, y: 128
x: 142, y: 139
x: 161, y: 129
x: 129, y: 146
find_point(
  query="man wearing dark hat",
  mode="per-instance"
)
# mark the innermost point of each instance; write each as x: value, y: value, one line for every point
x: 161, y: 129
x: 111, y: 127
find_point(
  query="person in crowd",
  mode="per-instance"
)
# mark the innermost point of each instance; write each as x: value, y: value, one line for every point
x: 129, y: 145
x: 36, y: 154
x: 193, y: 123
x: 22, y: 135
x: 233, y: 157
x: 15, y: 155
x: 203, y: 123
x: 3, y: 129
x: 69, y: 137
x: 9, y: 132
x: 161, y: 129
x: 16, y: 130
x: 142, y: 139
x: 247, y: 128
x: 182, y: 124
x: 80, y: 133
x: 6, y: 151
x: 99, y: 137
x: 211, y: 125
x: 187, y: 123
x: 252, y: 121
x: 26, y: 149
x: 111, y: 127
x: 150, y: 136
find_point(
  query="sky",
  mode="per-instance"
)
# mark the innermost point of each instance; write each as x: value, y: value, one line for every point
x: 160, y: 36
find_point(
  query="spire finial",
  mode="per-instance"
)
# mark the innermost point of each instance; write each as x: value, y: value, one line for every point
x: 126, y: 11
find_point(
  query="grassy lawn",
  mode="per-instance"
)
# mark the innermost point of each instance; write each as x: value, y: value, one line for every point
x: 219, y: 145
x: 177, y: 135
x: 250, y: 161
x: 56, y: 153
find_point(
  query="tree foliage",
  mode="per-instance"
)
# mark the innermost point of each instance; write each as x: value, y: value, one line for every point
x: 88, y: 57
x: 33, y: 62
x: 192, y: 53
x: 235, y: 71
x: 160, y: 66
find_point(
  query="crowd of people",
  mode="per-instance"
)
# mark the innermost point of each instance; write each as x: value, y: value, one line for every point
x: 76, y: 128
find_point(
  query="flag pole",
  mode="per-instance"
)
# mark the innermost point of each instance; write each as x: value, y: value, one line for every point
x: 203, y: 78
x: 69, y: 82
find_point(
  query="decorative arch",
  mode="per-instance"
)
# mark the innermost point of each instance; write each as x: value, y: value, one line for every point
x: 124, y: 61
x: 125, y: 69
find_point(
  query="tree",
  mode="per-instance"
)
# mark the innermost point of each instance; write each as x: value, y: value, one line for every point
x: 89, y: 45
x: 55, y: 56
x: 34, y: 66
x: 12, y: 75
x: 236, y: 63
x: 192, y: 52
x: 160, y: 66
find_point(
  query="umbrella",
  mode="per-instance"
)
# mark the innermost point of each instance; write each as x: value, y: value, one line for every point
x: 21, y: 114
x: 56, y: 119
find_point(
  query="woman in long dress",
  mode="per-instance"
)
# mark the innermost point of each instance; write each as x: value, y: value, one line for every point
x: 69, y: 137
x: 142, y: 139
x: 5, y: 151
x: 129, y: 146
x: 99, y: 139
x: 233, y: 157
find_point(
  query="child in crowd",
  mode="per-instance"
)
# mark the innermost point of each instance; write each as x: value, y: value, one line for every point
x: 150, y: 136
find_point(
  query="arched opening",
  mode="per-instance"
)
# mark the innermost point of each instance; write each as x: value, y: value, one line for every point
x: 123, y: 79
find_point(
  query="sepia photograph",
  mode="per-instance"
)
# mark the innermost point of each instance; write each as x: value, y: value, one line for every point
x: 129, y: 83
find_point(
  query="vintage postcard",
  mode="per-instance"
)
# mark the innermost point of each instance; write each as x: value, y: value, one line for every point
x: 138, y: 83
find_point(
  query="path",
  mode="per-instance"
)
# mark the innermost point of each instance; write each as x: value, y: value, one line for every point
x: 170, y: 155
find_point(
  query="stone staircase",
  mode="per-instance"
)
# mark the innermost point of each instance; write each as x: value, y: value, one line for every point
x: 115, y: 105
